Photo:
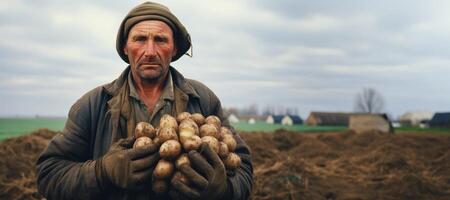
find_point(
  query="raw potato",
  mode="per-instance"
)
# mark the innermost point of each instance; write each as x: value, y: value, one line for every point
x: 166, y: 133
x: 212, y: 142
x: 183, y: 159
x: 189, y: 122
x: 198, y: 119
x: 223, y: 150
x: 212, y: 119
x: 170, y: 149
x: 182, y: 116
x: 160, y: 186
x: 185, y: 135
x: 144, y: 129
x: 157, y: 141
x: 230, y: 141
x: 224, y: 131
x: 209, y: 130
x: 142, y: 141
x: 192, y: 143
x: 178, y: 136
x: 163, y: 169
x: 233, y: 161
x: 168, y: 121
x: 187, y: 129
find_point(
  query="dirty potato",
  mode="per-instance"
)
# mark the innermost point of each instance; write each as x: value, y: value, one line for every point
x: 168, y: 121
x: 144, y: 129
x: 209, y: 130
x: 212, y: 142
x: 142, y: 141
x: 182, y: 116
x: 166, y: 133
x: 163, y: 169
x: 212, y: 119
x: 198, y: 119
x: 232, y: 161
x: 170, y: 149
x: 192, y: 143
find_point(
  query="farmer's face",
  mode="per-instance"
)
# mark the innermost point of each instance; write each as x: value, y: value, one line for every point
x: 150, y: 47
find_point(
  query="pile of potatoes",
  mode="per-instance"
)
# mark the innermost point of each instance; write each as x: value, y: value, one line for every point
x: 177, y: 136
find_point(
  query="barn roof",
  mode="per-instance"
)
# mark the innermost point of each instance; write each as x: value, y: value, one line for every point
x: 277, y: 118
x: 296, y: 119
x: 440, y: 119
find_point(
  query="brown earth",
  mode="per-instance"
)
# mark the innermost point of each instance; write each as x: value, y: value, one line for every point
x: 289, y: 165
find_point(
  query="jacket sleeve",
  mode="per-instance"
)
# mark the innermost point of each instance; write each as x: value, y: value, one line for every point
x: 240, y: 181
x: 65, y: 169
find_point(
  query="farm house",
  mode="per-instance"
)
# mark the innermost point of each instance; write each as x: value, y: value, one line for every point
x: 291, y: 120
x: 328, y: 119
x: 251, y: 119
x: 361, y: 123
x: 440, y: 120
x: 274, y: 119
x: 232, y: 118
x: 415, y: 118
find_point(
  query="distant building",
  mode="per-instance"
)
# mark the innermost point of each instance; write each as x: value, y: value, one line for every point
x: 232, y: 118
x: 415, y: 118
x: 361, y: 123
x: 425, y: 123
x: 250, y: 118
x: 440, y: 120
x: 396, y: 124
x: 291, y: 120
x: 328, y: 119
x: 274, y: 119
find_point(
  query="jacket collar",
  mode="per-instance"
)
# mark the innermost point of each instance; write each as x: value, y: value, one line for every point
x: 178, y: 81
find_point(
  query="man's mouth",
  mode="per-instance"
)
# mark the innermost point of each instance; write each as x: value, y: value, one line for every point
x: 150, y: 64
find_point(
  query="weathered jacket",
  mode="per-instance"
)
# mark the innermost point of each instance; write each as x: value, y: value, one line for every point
x: 65, y: 169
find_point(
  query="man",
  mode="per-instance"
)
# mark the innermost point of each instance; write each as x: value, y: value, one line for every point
x: 93, y: 158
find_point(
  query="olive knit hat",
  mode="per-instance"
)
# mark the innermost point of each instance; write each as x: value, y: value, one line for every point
x: 153, y: 11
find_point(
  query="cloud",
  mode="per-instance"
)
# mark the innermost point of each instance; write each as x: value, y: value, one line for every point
x: 311, y: 55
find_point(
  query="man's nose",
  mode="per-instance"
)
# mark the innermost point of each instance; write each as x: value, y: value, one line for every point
x: 150, y: 49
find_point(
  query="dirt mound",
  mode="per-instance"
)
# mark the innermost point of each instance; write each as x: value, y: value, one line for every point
x: 290, y: 165
x: 18, y: 158
x: 346, y: 165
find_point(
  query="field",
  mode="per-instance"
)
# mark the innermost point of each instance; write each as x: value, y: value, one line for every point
x: 261, y: 126
x: 11, y: 127
x: 290, y: 165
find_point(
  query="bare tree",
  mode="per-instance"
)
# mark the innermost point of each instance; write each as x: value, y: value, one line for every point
x: 369, y: 101
x: 291, y: 111
x: 268, y: 110
x: 251, y: 109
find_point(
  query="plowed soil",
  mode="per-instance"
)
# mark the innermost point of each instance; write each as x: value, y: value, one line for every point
x: 289, y: 165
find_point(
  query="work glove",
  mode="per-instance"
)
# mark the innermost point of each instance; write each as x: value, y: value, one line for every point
x: 207, y: 177
x: 127, y: 167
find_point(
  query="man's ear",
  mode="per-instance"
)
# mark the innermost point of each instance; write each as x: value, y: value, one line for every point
x: 125, y: 50
x: 174, y: 52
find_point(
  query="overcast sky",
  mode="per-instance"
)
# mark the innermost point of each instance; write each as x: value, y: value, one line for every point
x: 313, y: 55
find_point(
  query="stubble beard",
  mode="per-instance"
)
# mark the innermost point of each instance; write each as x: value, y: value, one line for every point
x: 151, y: 75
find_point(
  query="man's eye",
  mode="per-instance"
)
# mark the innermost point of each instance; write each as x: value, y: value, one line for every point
x: 160, y: 39
x: 140, y: 39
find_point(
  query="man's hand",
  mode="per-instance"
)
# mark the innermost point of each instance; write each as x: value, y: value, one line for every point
x: 127, y: 167
x: 207, y: 176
